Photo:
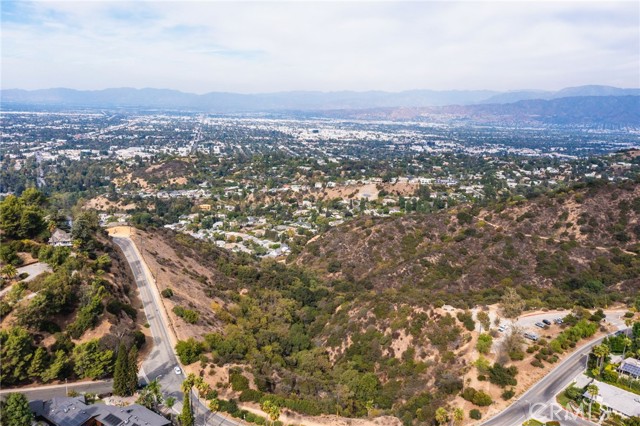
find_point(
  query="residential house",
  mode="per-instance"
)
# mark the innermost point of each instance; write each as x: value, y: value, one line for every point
x: 73, y: 411
x: 630, y: 367
x: 616, y: 400
x: 60, y: 238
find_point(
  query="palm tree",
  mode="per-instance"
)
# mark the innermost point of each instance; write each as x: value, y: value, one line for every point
x: 442, y: 416
x: 458, y: 416
x: 202, y: 386
x: 601, y: 351
x: 188, y: 383
x: 155, y: 391
x: 214, y: 405
x: 592, y: 390
x: 271, y: 409
x: 627, y: 342
x: 9, y: 271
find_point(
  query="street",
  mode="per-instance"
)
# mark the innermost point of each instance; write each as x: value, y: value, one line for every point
x: 544, y: 392
x: 162, y: 359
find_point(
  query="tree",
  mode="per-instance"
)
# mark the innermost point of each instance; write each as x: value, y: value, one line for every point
x: 458, y: 416
x: 186, y: 416
x: 601, y: 351
x: 58, y: 365
x: 592, y: 390
x: 271, y: 408
x: 485, y: 341
x: 512, y: 303
x: 38, y: 363
x: 202, y: 386
x: 84, y: 229
x: 151, y: 396
x: 10, y: 214
x: 15, y: 410
x: 9, y: 272
x: 170, y: 401
x: 214, y: 405
x: 120, y: 385
x: 484, y: 320
x: 626, y: 342
x: 188, y: 383
x: 92, y: 362
x: 441, y: 416
x: 132, y: 370
x: 16, y: 351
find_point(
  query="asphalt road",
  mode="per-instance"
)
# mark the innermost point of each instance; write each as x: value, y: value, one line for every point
x: 536, y: 401
x: 160, y: 363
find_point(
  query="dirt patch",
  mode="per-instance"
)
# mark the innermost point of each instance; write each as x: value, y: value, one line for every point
x: 101, y: 203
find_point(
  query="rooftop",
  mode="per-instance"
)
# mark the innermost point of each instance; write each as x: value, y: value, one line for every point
x: 67, y: 411
x: 617, y: 399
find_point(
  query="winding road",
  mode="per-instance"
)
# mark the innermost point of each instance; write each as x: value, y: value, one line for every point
x: 539, y: 400
x: 160, y: 363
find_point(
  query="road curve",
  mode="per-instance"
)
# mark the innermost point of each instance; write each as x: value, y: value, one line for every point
x: 161, y: 361
x: 537, y: 397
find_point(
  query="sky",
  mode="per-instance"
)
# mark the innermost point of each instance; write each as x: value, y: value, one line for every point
x: 267, y: 46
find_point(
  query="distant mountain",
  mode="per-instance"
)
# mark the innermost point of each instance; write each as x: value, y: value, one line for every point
x: 577, y: 110
x: 606, y: 111
x: 592, y: 90
x: 282, y: 101
x: 234, y: 102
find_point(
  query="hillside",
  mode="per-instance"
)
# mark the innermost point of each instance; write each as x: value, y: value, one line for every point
x: 283, y: 101
x: 355, y: 325
x: 565, y: 111
x: 67, y: 320
x: 567, y: 244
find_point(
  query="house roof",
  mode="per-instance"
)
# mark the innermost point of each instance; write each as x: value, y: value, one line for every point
x: 618, y: 399
x: 630, y: 366
x: 59, y: 236
x: 67, y: 411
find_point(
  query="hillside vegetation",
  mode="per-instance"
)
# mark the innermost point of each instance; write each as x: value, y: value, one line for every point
x: 354, y: 326
x: 67, y: 323
x: 567, y: 247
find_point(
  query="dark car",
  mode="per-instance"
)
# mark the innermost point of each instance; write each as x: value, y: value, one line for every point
x: 546, y: 321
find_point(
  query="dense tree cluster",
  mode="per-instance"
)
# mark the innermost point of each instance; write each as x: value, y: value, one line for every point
x: 23, y: 217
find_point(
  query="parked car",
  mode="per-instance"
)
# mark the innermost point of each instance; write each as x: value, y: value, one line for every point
x: 531, y: 336
x: 177, y: 370
x: 546, y: 321
x: 541, y: 325
x: 502, y: 328
x: 558, y: 321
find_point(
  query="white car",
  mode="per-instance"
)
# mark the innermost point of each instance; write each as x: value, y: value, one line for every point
x: 177, y: 370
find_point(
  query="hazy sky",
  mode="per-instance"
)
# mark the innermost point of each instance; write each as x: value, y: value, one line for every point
x: 265, y: 46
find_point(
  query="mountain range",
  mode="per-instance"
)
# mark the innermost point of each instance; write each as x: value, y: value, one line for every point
x: 222, y: 102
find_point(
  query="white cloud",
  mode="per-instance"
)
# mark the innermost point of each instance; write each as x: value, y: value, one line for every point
x: 271, y: 46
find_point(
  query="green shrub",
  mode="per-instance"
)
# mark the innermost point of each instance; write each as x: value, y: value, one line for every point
x: 475, y: 414
x: 503, y: 376
x: 238, y: 382
x: 167, y: 292
x: 250, y: 395
x: 186, y: 314
x: 508, y: 394
x: 467, y: 319
x: 484, y: 343
x: 189, y: 350
x: 477, y: 397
